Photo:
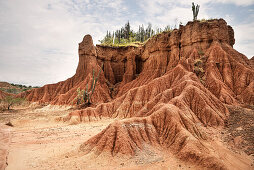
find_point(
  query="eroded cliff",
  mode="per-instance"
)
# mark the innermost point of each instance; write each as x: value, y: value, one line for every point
x: 165, y: 93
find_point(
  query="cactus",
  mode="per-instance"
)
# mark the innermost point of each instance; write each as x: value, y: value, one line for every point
x: 195, y: 10
x: 79, y: 97
x: 84, y: 96
x: 87, y: 94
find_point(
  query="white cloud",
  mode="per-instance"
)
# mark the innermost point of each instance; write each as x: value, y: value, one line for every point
x: 203, y: 2
x: 236, y: 2
x: 244, y: 39
x: 164, y: 12
x: 39, y: 39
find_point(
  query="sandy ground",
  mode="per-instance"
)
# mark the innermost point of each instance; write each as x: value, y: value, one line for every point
x: 36, y: 137
x: 37, y: 141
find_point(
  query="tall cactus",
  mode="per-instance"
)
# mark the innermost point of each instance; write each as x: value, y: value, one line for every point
x: 79, y: 96
x: 88, y: 93
x: 195, y: 10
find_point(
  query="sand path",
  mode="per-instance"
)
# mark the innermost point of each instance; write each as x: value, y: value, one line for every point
x: 32, y: 145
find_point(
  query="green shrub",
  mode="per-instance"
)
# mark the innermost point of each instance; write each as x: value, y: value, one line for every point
x: 9, y: 101
x: 84, y: 96
x: 201, y: 52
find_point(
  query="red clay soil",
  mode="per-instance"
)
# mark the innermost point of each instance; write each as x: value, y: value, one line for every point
x: 6, y: 85
x: 240, y: 128
x: 165, y: 93
x: 5, y: 142
x: 252, y: 62
x: 3, y: 94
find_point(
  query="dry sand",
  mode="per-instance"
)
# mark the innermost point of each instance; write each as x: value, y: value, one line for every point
x: 37, y: 141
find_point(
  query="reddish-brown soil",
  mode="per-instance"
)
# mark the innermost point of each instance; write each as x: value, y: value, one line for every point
x: 2, y: 94
x: 252, y: 62
x: 239, y: 131
x: 6, y: 85
x: 168, y: 97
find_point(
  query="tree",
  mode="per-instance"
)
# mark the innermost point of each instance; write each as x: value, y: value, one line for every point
x: 148, y: 31
x: 168, y: 28
x: 9, y: 101
x: 127, y: 31
x: 126, y: 35
x: 195, y: 10
x: 142, y: 34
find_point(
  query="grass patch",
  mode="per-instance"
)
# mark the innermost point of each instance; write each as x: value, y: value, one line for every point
x: 130, y: 44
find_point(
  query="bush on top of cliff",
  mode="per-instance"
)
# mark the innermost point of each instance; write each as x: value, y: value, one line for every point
x: 128, y: 37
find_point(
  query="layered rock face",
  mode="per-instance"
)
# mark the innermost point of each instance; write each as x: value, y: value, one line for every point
x: 65, y: 92
x: 2, y: 95
x: 129, y: 67
x: 252, y: 62
x: 162, y: 94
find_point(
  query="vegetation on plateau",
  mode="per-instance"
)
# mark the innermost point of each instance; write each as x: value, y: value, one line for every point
x: 128, y: 37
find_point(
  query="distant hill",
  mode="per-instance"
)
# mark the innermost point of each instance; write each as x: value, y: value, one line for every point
x: 14, y: 88
x: 6, y: 85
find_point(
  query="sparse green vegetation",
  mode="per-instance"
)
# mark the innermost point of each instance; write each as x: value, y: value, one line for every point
x: 199, y: 68
x: 9, y: 101
x: 133, y: 44
x: 16, y: 88
x: 201, y: 52
x: 206, y: 20
x: 24, y: 86
x: 127, y: 37
x: 203, y: 20
x: 84, y: 96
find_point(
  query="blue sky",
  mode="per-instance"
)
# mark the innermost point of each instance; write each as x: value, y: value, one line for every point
x: 39, y: 38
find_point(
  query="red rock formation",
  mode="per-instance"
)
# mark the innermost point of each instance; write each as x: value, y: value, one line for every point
x: 231, y: 79
x: 163, y: 113
x: 164, y: 92
x: 3, y: 94
x: 129, y: 67
x: 252, y: 62
x: 65, y: 92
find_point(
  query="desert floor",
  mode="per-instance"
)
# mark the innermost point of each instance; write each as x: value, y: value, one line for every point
x: 35, y: 140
